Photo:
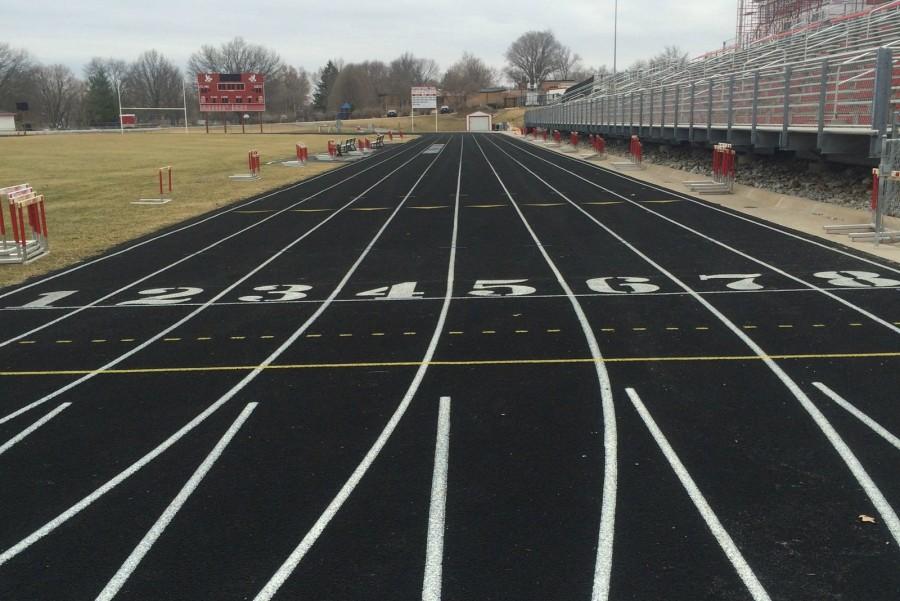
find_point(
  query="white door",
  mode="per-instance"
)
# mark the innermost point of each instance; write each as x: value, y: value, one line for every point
x: 479, y: 124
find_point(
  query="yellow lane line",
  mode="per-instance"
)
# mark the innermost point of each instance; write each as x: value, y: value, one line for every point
x: 461, y: 363
x: 483, y: 206
x: 26, y: 342
x: 63, y: 342
x: 204, y: 338
x: 370, y: 208
x: 311, y: 210
x: 427, y: 207
x: 608, y: 202
x: 543, y: 204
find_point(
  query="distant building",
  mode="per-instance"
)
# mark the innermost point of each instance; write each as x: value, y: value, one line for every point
x: 7, y: 123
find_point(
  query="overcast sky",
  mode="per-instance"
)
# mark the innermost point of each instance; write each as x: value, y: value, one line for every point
x: 309, y: 33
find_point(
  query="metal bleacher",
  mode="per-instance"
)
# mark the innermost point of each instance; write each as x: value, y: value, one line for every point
x: 829, y: 88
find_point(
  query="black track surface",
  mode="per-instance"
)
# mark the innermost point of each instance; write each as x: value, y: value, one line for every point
x: 339, y: 450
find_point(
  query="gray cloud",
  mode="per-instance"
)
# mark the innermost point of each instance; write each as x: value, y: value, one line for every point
x: 307, y: 34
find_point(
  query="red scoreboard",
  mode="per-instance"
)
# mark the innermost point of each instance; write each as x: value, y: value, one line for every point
x: 231, y: 92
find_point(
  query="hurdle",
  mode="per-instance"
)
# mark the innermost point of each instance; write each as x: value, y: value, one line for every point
x: 302, y: 153
x: 635, y: 156
x: 885, y: 189
x: 163, y: 174
x: 723, y: 167
x: 28, y: 221
x: 253, y: 163
x: 573, y: 143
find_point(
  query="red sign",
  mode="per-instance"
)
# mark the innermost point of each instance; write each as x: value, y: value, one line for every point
x: 231, y: 92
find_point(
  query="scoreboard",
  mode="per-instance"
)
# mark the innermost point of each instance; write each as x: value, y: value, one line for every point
x: 231, y: 92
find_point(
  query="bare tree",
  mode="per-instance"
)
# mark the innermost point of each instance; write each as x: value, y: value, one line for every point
x: 672, y: 57
x: 16, y: 71
x: 60, y: 94
x: 568, y: 64
x: 288, y: 92
x: 154, y: 81
x: 468, y: 75
x: 533, y: 57
x: 235, y: 56
x: 352, y: 85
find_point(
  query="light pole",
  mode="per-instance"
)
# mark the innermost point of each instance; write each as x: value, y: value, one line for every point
x: 615, y: 40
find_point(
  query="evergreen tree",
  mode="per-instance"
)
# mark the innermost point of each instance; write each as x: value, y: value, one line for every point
x: 323, y: 87
x: 100, y: 101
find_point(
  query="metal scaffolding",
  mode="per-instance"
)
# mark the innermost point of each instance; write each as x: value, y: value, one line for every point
x: 763, y: 19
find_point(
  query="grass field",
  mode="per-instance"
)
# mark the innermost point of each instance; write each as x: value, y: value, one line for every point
x: 89, y: 181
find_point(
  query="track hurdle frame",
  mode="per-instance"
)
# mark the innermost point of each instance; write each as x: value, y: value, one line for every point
x: 724, y: 167
x: 253, y: 164
x: 27, y: 215
x: 167, y: 170
x: 635, y: 155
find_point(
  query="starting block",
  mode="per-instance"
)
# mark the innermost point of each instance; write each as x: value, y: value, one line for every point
x: 28, y: 225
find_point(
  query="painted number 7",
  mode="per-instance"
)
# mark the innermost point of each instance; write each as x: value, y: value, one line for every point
x: 742, y: 281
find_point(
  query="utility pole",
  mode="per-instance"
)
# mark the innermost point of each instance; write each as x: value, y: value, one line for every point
x: 615, y: 40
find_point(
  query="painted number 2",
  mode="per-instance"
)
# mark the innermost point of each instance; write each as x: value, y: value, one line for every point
x: 165, y: 296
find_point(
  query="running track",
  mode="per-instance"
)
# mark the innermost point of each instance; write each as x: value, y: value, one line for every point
x: 465, y: 368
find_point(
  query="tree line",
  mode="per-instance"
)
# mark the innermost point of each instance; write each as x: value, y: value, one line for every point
x: 60, y: 98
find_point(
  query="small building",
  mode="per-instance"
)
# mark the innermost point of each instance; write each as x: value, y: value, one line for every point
x: 7, y: 123
x: 478, y: 122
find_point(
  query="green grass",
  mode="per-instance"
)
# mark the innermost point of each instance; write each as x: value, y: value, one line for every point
x: 89, y: 181
x: 423, y: 124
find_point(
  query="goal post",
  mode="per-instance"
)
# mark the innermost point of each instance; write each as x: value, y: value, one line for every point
x: 124, y: 109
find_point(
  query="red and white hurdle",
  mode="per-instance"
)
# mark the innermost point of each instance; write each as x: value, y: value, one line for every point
x: 724, y: 165
x: 870, y: 231
x: 28, y: 225
x: 164, y: 174
x: 253, y: 164
x: 635, y: 155
x: 302, y: 154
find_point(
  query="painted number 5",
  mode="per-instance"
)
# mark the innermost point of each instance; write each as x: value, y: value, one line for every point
x: 501, y: 288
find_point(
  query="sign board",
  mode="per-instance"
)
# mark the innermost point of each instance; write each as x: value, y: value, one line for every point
x: 231, y: 92
x: 424, y: 97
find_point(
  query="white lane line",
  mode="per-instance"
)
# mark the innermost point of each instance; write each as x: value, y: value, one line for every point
x: 382, y: 299
x: 715, y: 526
x: 736, y: 216
x: 603, y: 566
x: 437, y: 512
x: 181, y: 229
x: 204, y: 306
x: 21, y: 435
x: 859, y: 473
x: 184, y: 258
x: 143, y: 547
x: 293, y: 560
x: 200, y: 418
x: 740, y: 253
x: 852, y: 410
